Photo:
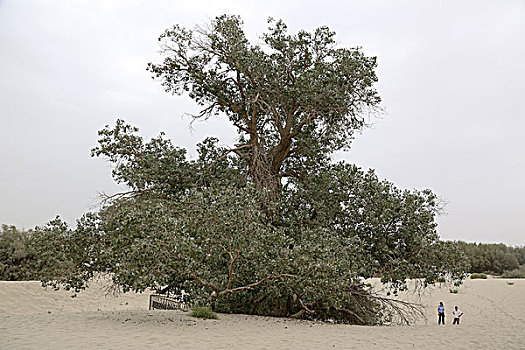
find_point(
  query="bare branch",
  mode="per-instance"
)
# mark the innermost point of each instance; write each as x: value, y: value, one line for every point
x: 351, y: 313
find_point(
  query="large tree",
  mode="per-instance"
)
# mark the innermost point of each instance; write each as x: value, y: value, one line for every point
x: 198, y: 225
x: 294, y: 99
x: 227, y: 227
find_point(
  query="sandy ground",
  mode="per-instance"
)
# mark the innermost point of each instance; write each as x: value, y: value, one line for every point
x: 35, y: 318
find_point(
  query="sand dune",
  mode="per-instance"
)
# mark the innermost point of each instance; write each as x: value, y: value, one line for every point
x: 35, y: 318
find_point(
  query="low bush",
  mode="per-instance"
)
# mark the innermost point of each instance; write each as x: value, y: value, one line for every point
x: 478, y: 276
x: 517, y: 273
x: 203, y: 312
x: 453, y: 291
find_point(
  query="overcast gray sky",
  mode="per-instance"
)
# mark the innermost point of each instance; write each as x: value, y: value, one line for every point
x: 451, y: 77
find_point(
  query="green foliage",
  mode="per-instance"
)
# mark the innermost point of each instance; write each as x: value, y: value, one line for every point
x: 476, y: 276
x: 17, y: 258
x: 393, y: 232
x: 45, y: 253
x: 517, y: 273
x: 492, y: 258
x: 510, y: 283
x: 294, y: 99
x: 203, y: 312
x: 212, y: 238
x: 453, y: 290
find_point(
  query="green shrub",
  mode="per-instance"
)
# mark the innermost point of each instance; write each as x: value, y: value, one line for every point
x: 203, y: 312
x: 518, y: 273
x: 510, y: 283
x: 453, y: 291
x: 478, y: 276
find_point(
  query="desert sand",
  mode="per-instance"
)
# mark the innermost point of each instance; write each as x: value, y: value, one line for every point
x: 32, y: 317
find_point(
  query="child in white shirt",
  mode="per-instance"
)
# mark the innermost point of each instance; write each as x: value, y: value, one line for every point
x: 457, y: 314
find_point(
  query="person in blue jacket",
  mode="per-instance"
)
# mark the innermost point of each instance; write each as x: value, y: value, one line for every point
x: 441, y: 313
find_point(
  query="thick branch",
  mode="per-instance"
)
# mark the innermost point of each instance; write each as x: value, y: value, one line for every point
x: 204, y: 283
x: 351, y: 313
x: 232, y: 262
x: 234, y: 150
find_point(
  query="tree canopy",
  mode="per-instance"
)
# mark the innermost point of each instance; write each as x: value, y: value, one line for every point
x: 197, y: 225
x: 294, y: 99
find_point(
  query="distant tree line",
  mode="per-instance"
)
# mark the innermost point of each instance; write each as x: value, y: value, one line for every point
x: 492, y: 258
x: 42, y: 253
